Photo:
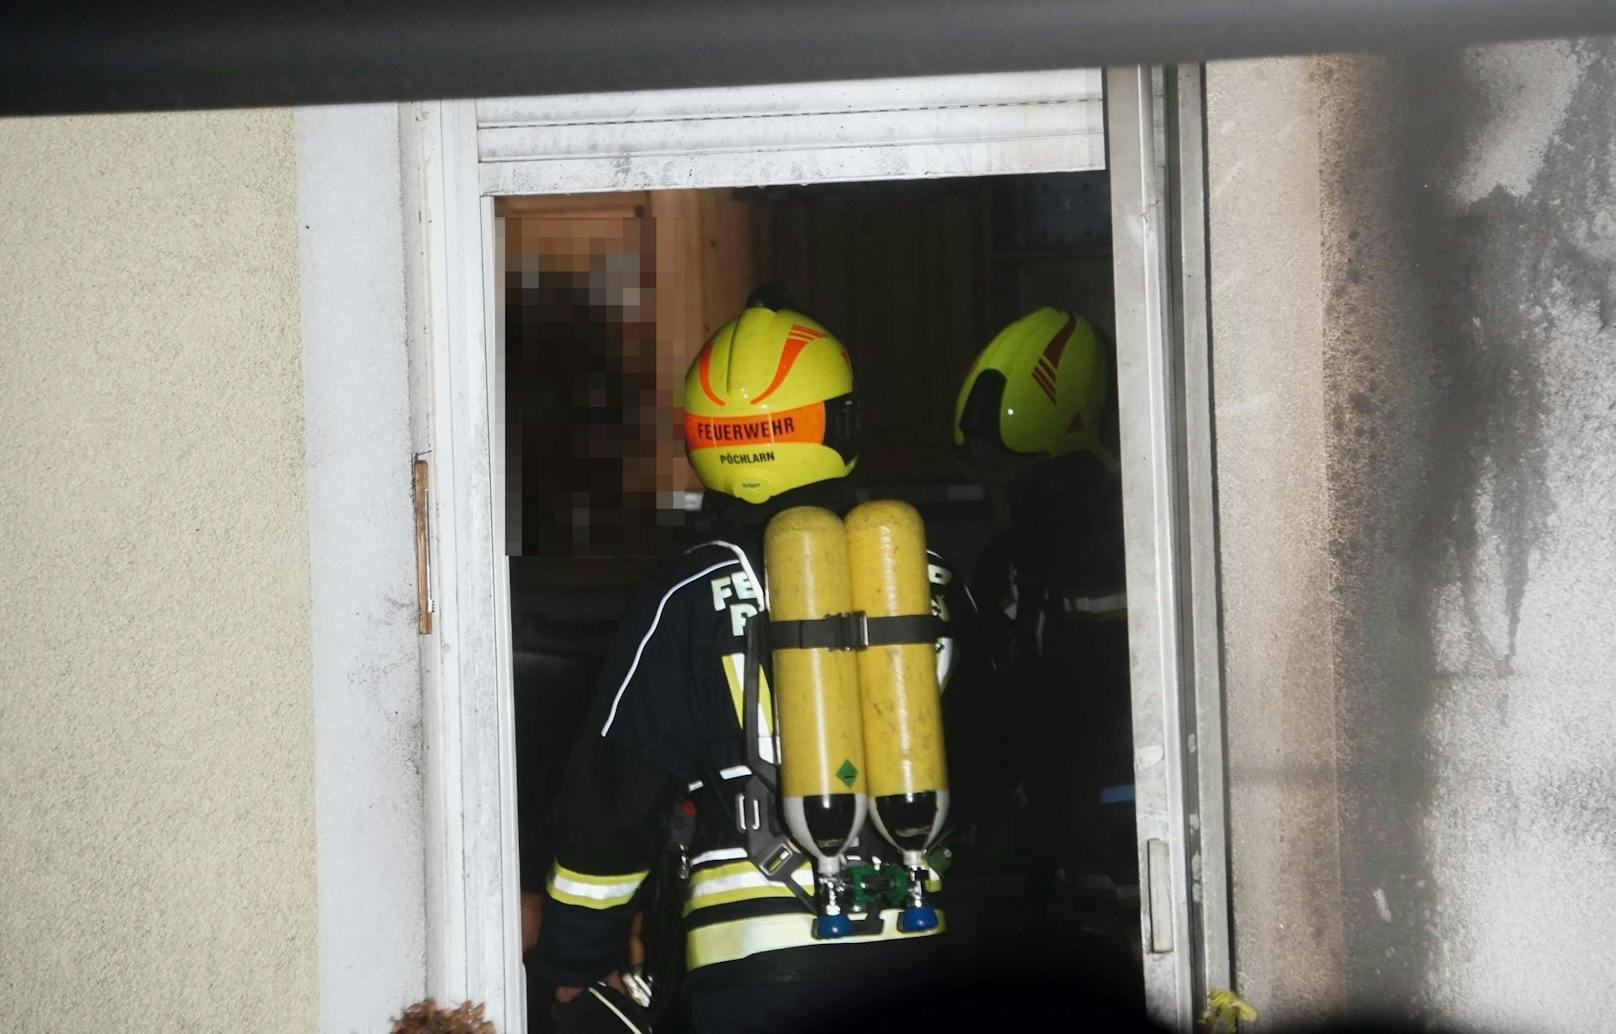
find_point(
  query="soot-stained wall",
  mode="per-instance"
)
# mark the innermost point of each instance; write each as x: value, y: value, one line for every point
x: 1452, y: 418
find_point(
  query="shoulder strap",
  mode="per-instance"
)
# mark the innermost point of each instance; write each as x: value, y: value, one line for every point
x: 757, y: 806
x: 751, y: 701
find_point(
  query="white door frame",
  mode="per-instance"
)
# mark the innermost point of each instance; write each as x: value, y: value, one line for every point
x: 1164, y: 395
x: 473, y: 894
x: 473, y: 900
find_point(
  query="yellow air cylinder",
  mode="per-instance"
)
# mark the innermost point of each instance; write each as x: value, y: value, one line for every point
x: 816, y: 690
x: 903, y: 722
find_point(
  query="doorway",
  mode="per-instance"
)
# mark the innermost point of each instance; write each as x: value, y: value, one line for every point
x: 471, y: 154
x: 608, y: 298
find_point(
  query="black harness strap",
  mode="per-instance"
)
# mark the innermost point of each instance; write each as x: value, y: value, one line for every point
x: 751, y: 696
x: 768, y: 845
x: 855, y: 631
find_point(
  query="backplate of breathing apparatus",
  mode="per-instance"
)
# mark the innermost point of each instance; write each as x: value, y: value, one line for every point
x: 757, y: 807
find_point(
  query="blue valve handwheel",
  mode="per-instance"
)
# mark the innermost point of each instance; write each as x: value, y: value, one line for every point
x: 830, y: 927
x: 916, y: 920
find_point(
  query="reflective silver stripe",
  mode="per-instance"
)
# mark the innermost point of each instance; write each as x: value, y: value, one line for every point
x: 646, y: 638
x: 738, y: 938
x: 732, y: 772
x: 720, y: 854
x: 1109, y: 604
x: 749, y: 879
x: 618, y: 1012
x: 593, y: 891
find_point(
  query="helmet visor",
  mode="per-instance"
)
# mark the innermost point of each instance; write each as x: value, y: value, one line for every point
x: 981, y: 429
x: 843, y: 426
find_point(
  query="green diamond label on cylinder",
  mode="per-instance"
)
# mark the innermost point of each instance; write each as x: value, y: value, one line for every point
x: 847, y: 773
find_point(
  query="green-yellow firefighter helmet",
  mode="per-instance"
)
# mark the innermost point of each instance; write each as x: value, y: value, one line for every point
x: 1038, y: 390
x: 769, y: 403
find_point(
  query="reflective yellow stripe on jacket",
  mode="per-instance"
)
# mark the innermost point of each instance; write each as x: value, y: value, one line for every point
x: 591, y: 891
x: 738, y: 938
x: 740, y: 881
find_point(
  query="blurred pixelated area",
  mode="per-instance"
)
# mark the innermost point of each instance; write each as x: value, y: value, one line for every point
x: 608, y: 296
x: 580, y: 365
x: 606, y: 300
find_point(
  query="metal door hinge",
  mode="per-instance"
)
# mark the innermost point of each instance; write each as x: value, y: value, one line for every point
x: 425, y: 604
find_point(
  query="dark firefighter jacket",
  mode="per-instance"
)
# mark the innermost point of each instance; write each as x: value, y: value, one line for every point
x: 1054, y: 618
x: 666, y: 724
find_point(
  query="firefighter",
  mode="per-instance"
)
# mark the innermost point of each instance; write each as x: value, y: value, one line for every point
x: 771, y: 422
x: 1036, y: 421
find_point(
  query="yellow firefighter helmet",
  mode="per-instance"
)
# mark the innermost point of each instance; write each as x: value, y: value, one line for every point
x: 769, y: 404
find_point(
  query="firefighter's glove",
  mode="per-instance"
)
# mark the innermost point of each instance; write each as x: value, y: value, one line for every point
x: 602, y: 1009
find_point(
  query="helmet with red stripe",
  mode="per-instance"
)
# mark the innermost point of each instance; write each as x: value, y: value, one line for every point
x: 1038, y: 390
x: 769, y: 405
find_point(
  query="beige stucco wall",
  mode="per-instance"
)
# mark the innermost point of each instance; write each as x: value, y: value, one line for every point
x: 156, y: 740
x: 1413, y: 270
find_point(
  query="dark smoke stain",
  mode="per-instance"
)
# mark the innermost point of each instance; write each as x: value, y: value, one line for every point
x: 1451, y: 328
x: 1378, y: 542
x: 1507, y: 258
